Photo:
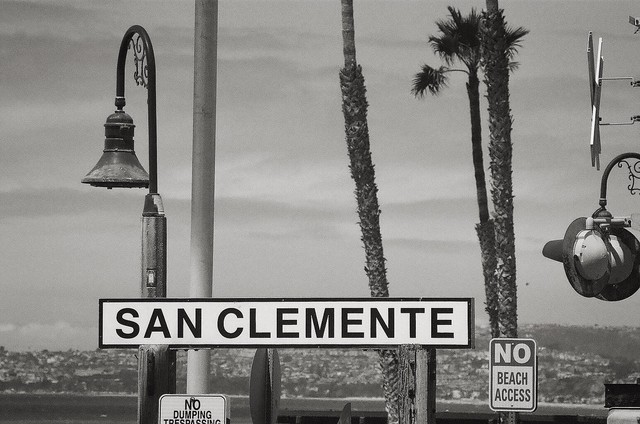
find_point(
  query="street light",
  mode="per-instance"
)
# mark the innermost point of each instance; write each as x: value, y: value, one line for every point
x: 601, y: 257
x: 120, y: 167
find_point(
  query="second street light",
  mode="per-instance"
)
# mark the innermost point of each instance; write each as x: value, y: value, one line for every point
x: 601, y: 257
x: 120, y: 167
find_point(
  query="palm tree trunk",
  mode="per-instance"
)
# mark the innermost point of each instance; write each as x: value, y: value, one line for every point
x: 354, y: 108
x: 484, y: 228
x: 473, y: 91
x: 500, y: 151
x: 348, y: 34
x: 492, y: 6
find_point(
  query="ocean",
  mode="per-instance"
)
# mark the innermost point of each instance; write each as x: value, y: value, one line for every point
x: 120, y: 409
x: 86, y: 409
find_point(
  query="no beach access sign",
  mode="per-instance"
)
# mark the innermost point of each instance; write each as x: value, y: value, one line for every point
x: 513, y: 371
x: 366, y: 322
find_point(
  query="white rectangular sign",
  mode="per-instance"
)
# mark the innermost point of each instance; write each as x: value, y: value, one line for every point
x: 370, y: 322
x: 513, y: 371
x: 193, y: 409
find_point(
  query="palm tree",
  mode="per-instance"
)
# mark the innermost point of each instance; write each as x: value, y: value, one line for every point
x: 459, y: 41
x: 497, y: 50
x: 354, y: 108
x: 496, y: 54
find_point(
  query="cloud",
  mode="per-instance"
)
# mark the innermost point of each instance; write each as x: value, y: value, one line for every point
x: 453, y: 247
x: 47, y: 18
x: 286, y: 218
x: 7, y: 328
x: 43, y: 202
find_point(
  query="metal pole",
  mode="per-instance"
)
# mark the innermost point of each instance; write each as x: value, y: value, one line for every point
x: 154, y: 248
x: 203, y: 174
x: 156, y: 364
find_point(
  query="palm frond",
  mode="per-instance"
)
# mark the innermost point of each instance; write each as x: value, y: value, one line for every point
x: 430, y: 80
x: 458, y: 38
x: 447, y: 48
x: 513, y: 38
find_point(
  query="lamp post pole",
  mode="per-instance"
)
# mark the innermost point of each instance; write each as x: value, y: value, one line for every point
x: 119, y: 167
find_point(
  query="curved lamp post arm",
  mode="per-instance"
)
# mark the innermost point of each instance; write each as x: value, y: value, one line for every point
x: 144, y: 75
x: 634, y: 172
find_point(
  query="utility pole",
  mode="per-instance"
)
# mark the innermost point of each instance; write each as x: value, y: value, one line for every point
x: 203, y: 175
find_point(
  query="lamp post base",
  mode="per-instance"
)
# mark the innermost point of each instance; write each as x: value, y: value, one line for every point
x: 156, y: 376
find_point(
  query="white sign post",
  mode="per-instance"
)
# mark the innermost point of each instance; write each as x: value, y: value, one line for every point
x: 193, y: 409
x: 368, y: 322
x: 513, y: 371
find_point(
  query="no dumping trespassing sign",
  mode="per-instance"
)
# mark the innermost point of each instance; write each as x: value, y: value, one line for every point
x: 193, y: 409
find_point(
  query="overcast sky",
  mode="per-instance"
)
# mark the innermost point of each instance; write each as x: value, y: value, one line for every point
x: 285, y: 214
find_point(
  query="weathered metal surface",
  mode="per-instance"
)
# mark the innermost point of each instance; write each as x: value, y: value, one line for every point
x: 264, y: 386
x: 623, y: 416
x: 621, y: 395
x: 118, y: 166
x: 156, y: 376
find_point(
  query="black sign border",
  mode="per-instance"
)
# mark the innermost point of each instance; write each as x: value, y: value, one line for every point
x: 470, y: 321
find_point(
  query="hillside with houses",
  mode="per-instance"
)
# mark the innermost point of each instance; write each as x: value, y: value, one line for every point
x: 573, y: 365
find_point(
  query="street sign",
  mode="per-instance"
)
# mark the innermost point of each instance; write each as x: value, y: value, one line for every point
x: 193, y: 409
x: 513, y: 374
x: 596, y: 93
x: 367, y: 322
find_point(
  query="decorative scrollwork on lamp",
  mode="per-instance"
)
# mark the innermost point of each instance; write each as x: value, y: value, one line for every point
x: 141, y: 73
x: 634, y: 173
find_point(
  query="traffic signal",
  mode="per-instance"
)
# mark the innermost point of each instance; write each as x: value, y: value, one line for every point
x: 601, y: 258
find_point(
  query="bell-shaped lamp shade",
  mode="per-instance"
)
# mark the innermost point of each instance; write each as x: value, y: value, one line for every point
x: 553, y: 250
x: 119, y: 166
